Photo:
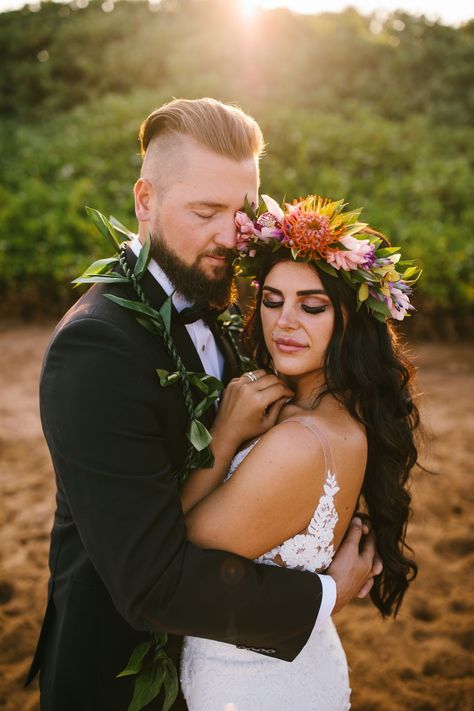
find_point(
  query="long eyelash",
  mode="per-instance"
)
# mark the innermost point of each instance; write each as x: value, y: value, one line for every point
x: 305, y: 307
x: 272, y: 304
x: 313, y: 309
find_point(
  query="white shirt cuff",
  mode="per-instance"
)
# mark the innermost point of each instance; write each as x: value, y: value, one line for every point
x: 328, y: 600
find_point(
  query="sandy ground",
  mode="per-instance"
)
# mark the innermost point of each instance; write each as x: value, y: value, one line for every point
x: 421, y: 662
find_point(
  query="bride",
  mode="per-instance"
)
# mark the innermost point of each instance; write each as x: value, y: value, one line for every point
x: 288, y: 474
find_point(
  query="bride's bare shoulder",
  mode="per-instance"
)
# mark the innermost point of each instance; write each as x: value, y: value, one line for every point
x: 346, y: 435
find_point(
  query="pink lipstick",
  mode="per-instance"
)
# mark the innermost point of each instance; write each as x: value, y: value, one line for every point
x: 289, y: 345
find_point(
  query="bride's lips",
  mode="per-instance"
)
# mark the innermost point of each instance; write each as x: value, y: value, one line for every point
x: 289, y: 345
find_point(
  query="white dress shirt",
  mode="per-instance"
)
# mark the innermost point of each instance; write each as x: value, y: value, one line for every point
x: 213, y: 362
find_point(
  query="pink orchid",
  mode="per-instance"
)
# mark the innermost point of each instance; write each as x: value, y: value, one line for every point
x: 273, y: 208
x: 244, y: 223
x: 398, y: 303
x: 353, y: 257
x: 245, y: 230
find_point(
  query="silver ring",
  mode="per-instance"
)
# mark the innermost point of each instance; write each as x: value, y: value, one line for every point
x: 251, y: 376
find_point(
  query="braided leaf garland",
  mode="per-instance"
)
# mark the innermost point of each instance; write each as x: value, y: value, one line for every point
x: 149, y: 660
x: 157, y: 322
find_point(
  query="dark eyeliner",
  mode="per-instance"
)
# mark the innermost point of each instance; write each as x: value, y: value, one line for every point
x: 271, y: 304
x: 313, y: 309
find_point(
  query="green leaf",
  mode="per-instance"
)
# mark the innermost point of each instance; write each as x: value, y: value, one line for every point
x: 380, y: 316
x: 102, y: 279
x: 202, y: 459
x: 205, y: 383
x: 135, y: 306
x: 378, y: 306
x: 167, y: 378
x: 160, y: 639
x: 104, y: 227
x: 386, y: 251
x: 121, y: 228
x: 354, y: 228
x: 346, y: 276
x: 349, y: 216
x: 205, y: 404
x: 171, y: 685
x: 143, y: 259
x: 248, y: 209
x: 100, y: 266
x: 135, y: 662
x: 165, y: 313
x: 338, y: 206
x: 411, y: 271
x: 363, y: 292
x: 365, y: 275
x: 325, y: 267
x: 150, y: 325
x: 147, y: 686
x: 198, y: 435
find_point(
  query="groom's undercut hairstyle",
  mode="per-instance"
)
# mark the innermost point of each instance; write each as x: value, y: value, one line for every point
x: 223, y: 128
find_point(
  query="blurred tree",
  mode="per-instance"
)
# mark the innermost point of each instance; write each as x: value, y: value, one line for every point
x: 377, y: 112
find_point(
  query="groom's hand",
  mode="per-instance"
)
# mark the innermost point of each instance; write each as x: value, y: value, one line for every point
x: 355, y: 563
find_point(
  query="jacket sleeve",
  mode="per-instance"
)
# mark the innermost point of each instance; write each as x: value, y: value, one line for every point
x: 106, y: 437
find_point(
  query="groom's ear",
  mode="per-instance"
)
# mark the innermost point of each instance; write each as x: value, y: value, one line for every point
x: 143, y: 191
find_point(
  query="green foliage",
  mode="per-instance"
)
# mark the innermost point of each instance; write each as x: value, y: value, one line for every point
x: 377, y: 114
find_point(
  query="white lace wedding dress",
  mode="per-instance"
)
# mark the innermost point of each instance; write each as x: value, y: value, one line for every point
x: 216, y: 676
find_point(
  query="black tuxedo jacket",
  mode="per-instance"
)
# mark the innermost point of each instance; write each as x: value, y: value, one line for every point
x: 119, y: 559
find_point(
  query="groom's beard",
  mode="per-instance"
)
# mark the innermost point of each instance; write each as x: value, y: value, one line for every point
x: 191, y: 281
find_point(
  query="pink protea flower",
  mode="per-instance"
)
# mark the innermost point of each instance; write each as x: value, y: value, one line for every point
x: 357, y: 253
x: 307, y: 231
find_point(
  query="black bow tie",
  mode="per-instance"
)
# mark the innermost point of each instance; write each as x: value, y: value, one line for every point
x: 196, y: 312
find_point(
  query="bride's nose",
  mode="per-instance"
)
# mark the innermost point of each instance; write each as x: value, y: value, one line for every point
x: 288, y: 317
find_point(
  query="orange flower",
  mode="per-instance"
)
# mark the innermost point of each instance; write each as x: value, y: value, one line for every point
x: 308, y: 226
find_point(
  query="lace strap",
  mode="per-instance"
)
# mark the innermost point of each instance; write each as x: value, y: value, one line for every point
x: 329, y: 464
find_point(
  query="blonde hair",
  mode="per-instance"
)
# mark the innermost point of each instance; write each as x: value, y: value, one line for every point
x: 223, y: 128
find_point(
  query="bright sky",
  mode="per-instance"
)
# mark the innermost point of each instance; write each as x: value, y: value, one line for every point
x: 451, y: 12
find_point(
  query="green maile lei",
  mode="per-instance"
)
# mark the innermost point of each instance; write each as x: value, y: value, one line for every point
x: 149, y: 660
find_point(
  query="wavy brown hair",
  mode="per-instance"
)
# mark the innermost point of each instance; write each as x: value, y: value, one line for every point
x: 367, y: 370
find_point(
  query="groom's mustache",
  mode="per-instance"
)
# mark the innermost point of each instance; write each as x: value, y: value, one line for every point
x: 228, y: 254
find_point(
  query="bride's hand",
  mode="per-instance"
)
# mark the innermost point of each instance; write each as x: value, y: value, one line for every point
x: 250, y: 405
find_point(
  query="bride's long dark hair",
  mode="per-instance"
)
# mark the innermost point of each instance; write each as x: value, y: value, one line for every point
x: 366, y: 369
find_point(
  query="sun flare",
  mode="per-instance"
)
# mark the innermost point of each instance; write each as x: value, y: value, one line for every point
x: 249, y: 8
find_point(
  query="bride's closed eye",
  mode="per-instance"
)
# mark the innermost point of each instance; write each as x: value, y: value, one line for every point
x: 271, y: 304
x: 274, y: 304
x: 314, y: 309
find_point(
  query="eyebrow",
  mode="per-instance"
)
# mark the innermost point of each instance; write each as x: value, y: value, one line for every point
x: 205, y: 203
x: 304, y: 292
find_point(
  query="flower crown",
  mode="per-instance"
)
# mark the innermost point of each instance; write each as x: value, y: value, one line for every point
x: 317, y: 229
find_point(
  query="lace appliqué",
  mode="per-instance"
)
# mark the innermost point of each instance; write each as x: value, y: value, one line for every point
x: 312, y: 550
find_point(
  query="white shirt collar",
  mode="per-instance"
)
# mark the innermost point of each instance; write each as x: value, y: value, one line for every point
x: 159, y: 275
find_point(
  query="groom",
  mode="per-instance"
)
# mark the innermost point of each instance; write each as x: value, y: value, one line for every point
x: 119, y: 559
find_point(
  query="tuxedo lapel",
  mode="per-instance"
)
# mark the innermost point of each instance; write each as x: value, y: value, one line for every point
x: 231, y: 362
x: 156, y: 296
